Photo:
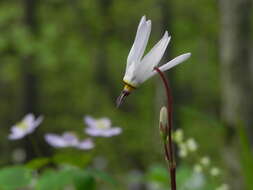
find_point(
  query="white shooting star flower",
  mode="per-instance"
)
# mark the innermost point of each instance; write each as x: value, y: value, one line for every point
x: 100, y: 127
x: 139, y: 68
x: 25, y: 127
x: 68, y: 139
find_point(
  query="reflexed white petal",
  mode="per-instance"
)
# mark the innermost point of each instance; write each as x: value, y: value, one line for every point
x: 55, y: 140
x: 140, y: 69
x: 140, y: 42
x: 175, y: 61
x: 172, y: 63
x: 145, y: 68
x: 86, y: 144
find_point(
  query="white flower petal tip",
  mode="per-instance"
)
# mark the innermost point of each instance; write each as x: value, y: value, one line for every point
x: 68, y: 139
x: 102, y: 128
x: 28, y: 124
x: 139, y: 68
x: 175, y: 61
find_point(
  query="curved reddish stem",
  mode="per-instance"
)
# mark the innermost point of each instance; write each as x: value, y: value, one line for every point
x: 168, y: 145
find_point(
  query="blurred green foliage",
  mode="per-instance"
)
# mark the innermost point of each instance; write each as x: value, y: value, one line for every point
x: 21, y: 175
x: 246, y: 156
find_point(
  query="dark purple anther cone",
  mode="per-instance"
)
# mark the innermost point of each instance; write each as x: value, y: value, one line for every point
x: 122, y: 97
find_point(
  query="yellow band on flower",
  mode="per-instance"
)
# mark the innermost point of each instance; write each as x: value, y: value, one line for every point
x: 128, y: 87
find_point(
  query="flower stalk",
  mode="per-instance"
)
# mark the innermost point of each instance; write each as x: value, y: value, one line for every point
x: 167, y: 131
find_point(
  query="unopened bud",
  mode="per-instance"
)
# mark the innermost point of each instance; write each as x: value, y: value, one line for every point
x: 163, y: 123
x: 164, y: 116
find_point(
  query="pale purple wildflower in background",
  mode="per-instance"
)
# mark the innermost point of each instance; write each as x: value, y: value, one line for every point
x: 25, y: 127
x: 68, y: 139
x: 100, y: 127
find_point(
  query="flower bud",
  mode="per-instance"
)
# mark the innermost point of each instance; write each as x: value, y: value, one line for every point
x: 163, y: 123
x: 164, y: 116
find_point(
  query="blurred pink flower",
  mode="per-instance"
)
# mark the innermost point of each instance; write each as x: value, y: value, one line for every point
x: 100, y: 127
x: 68, y: 140
x: 25, y: 127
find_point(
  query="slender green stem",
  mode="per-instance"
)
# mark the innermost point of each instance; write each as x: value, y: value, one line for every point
x: 34, y: 146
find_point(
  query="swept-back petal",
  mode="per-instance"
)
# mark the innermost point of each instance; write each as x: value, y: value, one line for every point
x: 140, y: 42
x: 175, y: 61
x: 145, y: 68
x: 170, y: 64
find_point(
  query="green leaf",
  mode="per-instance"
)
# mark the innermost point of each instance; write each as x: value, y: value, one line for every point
x: 82, y: 180
x: 15, y: 177
x: 100, y: 175
x: 70, y: 176
x: 55, y: 180
x: 74, y: 158
x: 38, y: 163
x: 158, y: 174
x: 183, y: 173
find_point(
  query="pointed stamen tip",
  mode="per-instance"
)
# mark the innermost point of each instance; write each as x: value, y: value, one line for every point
x: 121, y: 98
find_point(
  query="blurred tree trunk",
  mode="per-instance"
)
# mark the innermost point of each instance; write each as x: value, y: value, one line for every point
x: 30, y: 91
x: 235, y: 44
x: 236, y: 75
x: 103, y: 75
x: 165, y: 8
x: 29, y: 76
